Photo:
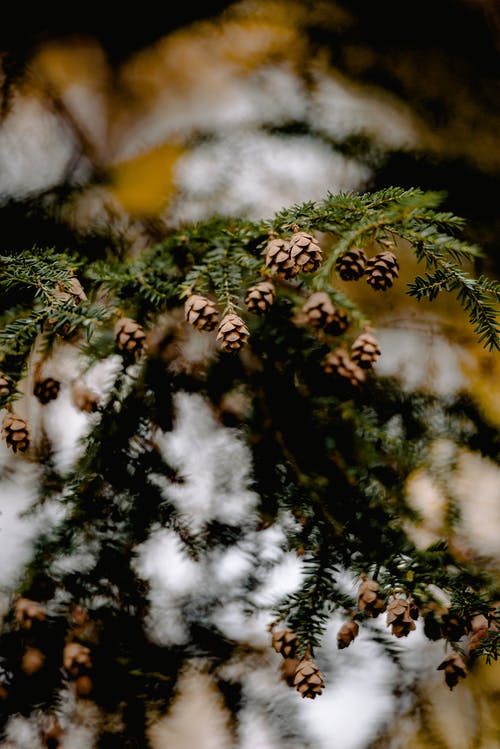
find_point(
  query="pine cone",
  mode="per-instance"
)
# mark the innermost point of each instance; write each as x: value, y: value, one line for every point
x: 232, y: 333
x: 129, y: 335
x: 305, y: 252
x: 369, y: 599
x: 27, y: 612
x: 351, y: 265
x: 5, y: 386
x: 76, y: 659
x: 260, y: 298
x: 51, y: 732
x: 321, y: 313
x: 453, y: 626
x: 84, y: 399
x: 201, y: 313
x: 398, y: 614
x: 83, y: 686
x: 454, y: 669
x: 346, y: 634
x: 74, y: 290
x: 32, y: 660
x: 339, y: 363
x: 365, y: 350
x: 15, y: 432
x: 382, y: 270
x: 308, y: 680
x: 278, y: 258
x: 285, y: 642
x: 46, y: 390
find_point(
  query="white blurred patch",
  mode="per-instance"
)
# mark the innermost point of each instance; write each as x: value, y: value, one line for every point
x: 213, y: 462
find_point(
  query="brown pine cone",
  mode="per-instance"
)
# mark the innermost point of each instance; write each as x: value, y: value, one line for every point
x: 201, y: 312
x: 351, y: 265
x: 308, y: 680
x: 305, y: 252
x: 129, y: 335
x: 73, y: 290
x: 47, y: 390
x: 365, y: 350
x: 32, y: 660
x: 398, y: 615
x: 260, y: 298
x: 84, y: 399
x: 453, y: 626
x: 15, y: 432
x: 370, y: 601
x: 454, y: 669
x: 346, y: 634
x: 321, y: 313
x: 83, y: 686
x: 76, y: 659
x: 5, y: 386
x: 339, y: 363
x: 278, y: 258
x: 27, y: 612
x: 285, y: 642
x: 232, y: 333
x: 382, y: 270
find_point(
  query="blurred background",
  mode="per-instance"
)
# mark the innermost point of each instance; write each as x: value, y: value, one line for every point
x: 117, y: 126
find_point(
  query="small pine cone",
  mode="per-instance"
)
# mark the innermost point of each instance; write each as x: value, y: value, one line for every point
x: 5, y: 386
x: 339, y: 363
x: 346, y: 634
x: 27, y: 612
x: 278, y: 258
x: 398, y: 615
x: 321, y: 313
x: 305, y: 252
x: 365, y: 350
x: 369, y: 599
x: 351, y: 265
x: 83, y: 686
x: 129, y: 335
x: 454, y: 669
x: 232, y: 333
x: 73, y: 290
x: 32, y: 660
x: 382, y: 270
x: 76, y: 659
x: 46, y: 390
x: 453, y: 626
x: 260, y: 298
x: 15, y: 432
x: 201, y: 313
x: 308, y: 680
x: 85, y: 399
x: 285, y: 642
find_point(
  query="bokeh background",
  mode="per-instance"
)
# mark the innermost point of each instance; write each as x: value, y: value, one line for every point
x: 118, y: 125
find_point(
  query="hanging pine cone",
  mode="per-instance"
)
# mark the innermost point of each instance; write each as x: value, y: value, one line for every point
x: 129, y: 335
x: 32, y: 660
x: 232, y: 333
x: 454, y: 669
x: 28, y: 612
x: 5, y: 386
x: 278, y: 258
x: 305, y: 252
x: 346, y: 634
x: 351, y: 265
x: 382, y: 270
x: 201, y: 313
x: 47, y: 390
x: 260, y: 298
x: 398, y: 615
x: 365, y: 350
x: 454, y: 626
x: 76, y: 659
x: 15, y: 432
x: 321, y: 313
x: 285, y: 642
x: 73, y: 291
x: 370, y: 601
x: 84, y: 399
x: 308, y: 680
x: 339, y: 363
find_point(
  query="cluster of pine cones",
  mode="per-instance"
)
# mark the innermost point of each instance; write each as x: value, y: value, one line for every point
x: 286, y: 259
x: 401, y: 614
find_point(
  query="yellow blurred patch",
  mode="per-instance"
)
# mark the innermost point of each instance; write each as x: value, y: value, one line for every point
x: 144, y: 185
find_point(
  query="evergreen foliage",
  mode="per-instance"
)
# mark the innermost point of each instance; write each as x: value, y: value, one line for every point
x: 330, y: 456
